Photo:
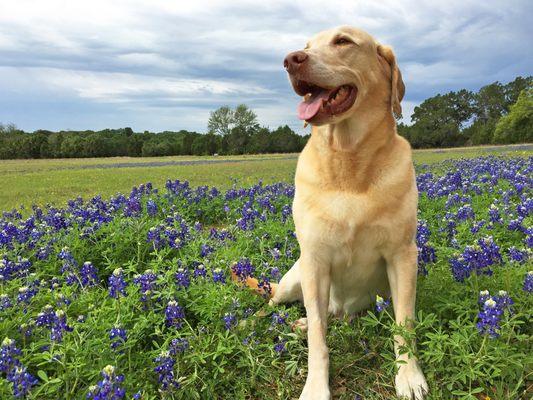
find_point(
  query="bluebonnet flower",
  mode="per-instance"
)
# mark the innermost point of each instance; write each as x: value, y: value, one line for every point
x: 44, y: 252
x: 200, y: 271
x: 275, y: 274
x: 381, y: 303
x: 465, y: 212
x: 230, y: 321
x: 489, y: 319
x: 205, y: 250
x: 178, y: 346
x: 263, y: 284
x: 59, y: 326
x: 279, y: 346
x: 528, y: 282
x: 46, y: 317
x: 151, y: 208
x: 62, y: 300
x: 286, y: 212
x: 174, y: 314
x: 9, y: 354
x: 26, y: 329
x: 279, y: 318
x: 88, y: 274
x: 494, y: 214
x: 504, y: 301
x: 484, y: 295
x: 243, y: 269
x: 250, y: 339
x: 426, y: 253
x: 108, y: 388
x: 117, y: 284
x: 182, y: 278
x: 26, y: 293
x: 477, y: 258
x: 22, y: 381
x: 118, y: 337
x: 147, y: 283
x: 5, y: 302
x: 165, y: 370
x: 275, y: 253
x: 15, y: 372
x: 519, y: 256
x: 218, y: 276
x: 69, y: 266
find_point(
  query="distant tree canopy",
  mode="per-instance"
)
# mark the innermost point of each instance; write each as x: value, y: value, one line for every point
x: 15, y: 143
x: 467, y: 118
x: 497, y: 113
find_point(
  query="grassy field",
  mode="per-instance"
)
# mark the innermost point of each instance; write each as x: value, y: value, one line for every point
x: 27, y: 182
x: 132, y: 296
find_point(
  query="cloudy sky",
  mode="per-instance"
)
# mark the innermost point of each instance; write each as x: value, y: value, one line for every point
x: 165, y: 64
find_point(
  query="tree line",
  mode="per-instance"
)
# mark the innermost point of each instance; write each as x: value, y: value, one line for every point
x: 15, y: 143
x: 497, y: 113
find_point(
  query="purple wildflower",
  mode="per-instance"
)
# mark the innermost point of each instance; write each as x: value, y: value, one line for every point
x: 279, y: 346
x: 489, y: 319
x: 109, y: 387
x: 243, y: 269
x: 59, y: 326
x: 178, y: 346
x: 381, y: 303
x: 528, y: 282
x: 88, y: 273
x: 22, y: 381
x: 165, y: 369
x: 117, y: 284
x: 200, y: 271
x: 218, y: 276
x: 174, y: 314
x: 5, y: 302
x: 182, y: 278
x: 118, y: 337
x: 151, y: 208
x: 230, y: 321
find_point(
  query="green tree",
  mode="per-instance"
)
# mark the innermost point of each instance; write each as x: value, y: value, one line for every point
x: 245, y: 118
x: 224, y: 119
x: 220, y: 121
x: 517, y: 126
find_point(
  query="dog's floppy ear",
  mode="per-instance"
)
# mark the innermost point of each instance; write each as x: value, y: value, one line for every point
x: 386, y: 55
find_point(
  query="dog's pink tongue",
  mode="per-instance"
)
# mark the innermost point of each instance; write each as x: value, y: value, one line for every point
x: 309, y: 108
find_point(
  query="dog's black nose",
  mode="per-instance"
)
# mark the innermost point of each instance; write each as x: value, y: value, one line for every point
x: 294, y: 60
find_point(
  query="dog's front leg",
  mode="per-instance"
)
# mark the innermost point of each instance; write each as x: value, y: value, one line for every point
x: 315, y: 281
x: 402, y: 273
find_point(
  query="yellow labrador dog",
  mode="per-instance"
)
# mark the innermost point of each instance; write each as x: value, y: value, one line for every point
x: 355, y: 205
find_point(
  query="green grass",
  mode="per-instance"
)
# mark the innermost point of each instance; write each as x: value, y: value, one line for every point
x: 458, y: 362
x: 27, y: 182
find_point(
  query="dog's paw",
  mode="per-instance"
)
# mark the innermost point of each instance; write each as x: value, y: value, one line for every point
x: 410, y: 382
x: 299, y: 324
x: 315, y: 392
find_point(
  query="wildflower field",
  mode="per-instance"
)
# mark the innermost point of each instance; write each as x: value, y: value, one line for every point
x: 131, y: 297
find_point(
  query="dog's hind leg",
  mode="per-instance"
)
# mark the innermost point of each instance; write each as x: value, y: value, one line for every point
x: 289, y: 289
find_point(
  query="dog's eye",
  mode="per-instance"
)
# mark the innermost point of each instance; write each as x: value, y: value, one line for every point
x: 342, y: 41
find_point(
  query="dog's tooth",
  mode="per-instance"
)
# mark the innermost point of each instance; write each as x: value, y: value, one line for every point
x: 305, y: 124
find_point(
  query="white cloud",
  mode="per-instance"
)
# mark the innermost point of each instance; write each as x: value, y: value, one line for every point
x: 149, y: 56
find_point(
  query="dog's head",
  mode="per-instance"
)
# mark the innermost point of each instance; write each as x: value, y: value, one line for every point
x: 343, y: 71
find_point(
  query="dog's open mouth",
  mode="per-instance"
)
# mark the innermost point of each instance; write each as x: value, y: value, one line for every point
x: 326, y: 102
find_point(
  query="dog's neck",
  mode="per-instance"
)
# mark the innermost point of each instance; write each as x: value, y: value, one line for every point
x: 350, y: 154
x: 359, y: 133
